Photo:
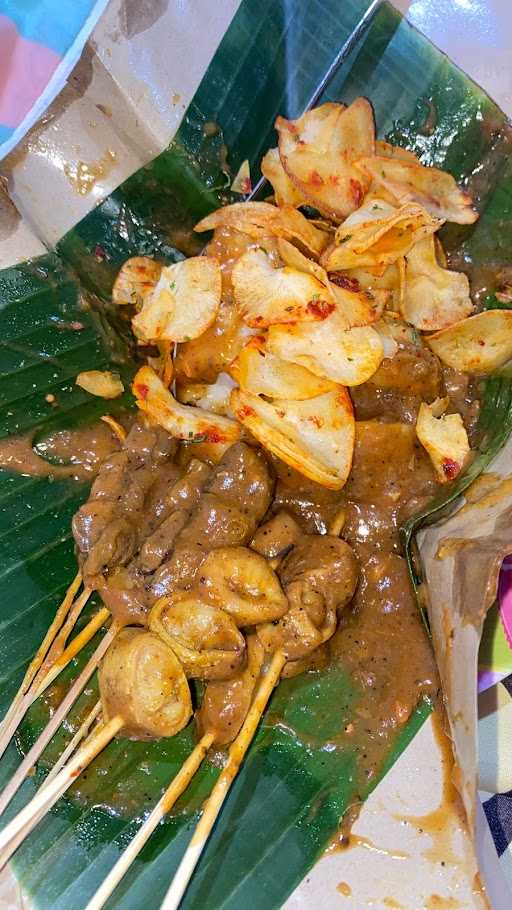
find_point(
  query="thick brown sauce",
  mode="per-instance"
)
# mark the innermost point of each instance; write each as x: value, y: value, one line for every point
x: 81, y: 451
x: 381, y: 641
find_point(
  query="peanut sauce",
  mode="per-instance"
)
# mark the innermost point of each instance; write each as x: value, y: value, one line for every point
x: 381, y: 642
x: 81, y: 452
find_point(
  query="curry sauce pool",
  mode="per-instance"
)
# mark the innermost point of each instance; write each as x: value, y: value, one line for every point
x: 380, y: 646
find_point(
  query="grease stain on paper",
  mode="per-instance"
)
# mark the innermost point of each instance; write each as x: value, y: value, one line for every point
x: 441, y: 823
x: 83, y: 176
x: 136, y: 16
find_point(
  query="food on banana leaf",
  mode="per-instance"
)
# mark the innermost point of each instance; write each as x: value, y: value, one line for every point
x: 204, y: 637
x: 261, y: 372
x: 242, y: 180
x: 479, y: 344
x: 320, y: 151
x: 316, y: 436
x: 143, y: 681
x: 444, y: 437
x: 135, y: 279
x: 102, y: 383
x: 285, y: 192
x: 434, y: 297
x: 377, y: 234
x: 244, y: 585
x: 317, y: 290
x: 309, y: 339
x: 259, y: 218
x: 266, y: 296
x: 213, y: 397
x: 435, y: 190
x: 329, y: 349
x: 183, y: 303
x: 183, y: 422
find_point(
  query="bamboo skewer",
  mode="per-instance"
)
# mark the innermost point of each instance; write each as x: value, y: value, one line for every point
x: 79, y: 642
x: 20, y: 704
x: 116, y: 427
x: 48, y: 795
x: 60, y: 640
x: 164, y: 805
x: 80, y: 734
x: 76, y: 689
x: 236, y: 754
x: 338, y: 522
x: 13, y: 845
x: 30, y: 696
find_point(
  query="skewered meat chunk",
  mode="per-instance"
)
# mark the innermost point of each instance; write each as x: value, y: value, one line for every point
x: 227, y: 514
x: 204, y: 638
x: 323, y: 564
x: 145, y: 530
x: 226, y: 703
x: 276, y: 537
x: 173, y: 512
x: 107, y: 527
x: 141, y: 680
x: 244, y: 585
x: 319, y: 578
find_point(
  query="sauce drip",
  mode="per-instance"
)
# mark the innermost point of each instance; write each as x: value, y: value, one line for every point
x: 83, y: 449
x: 381, y: 641
x: 441, y: 824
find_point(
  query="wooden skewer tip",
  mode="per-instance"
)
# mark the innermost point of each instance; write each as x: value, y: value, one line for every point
x: 163, y: 806
x: 237, y: 752
x: 69, y: 699
x: 20, y: 702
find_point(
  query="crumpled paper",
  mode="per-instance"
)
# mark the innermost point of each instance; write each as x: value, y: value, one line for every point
x: 462, y: 558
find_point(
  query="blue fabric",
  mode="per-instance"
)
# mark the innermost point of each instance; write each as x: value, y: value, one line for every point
x: 40, y: 43
x: 54, y: 23
x: 498, y: 811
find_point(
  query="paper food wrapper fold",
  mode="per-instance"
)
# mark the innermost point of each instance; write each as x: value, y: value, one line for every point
x: 461, y: 559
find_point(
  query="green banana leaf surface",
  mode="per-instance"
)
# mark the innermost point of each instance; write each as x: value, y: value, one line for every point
x: 55, y: 320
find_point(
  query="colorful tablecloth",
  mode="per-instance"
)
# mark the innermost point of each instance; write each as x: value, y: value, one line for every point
x: 40, y: 43
x: 495, y: 721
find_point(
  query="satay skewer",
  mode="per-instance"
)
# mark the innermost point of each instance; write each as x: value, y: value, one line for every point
x: 216, y: 799
x: 22, y: 700
x: 116, y: 688
x: 177, y: 786
x: 209, y: 733
x: 300, y: 584
x: 68, y: 701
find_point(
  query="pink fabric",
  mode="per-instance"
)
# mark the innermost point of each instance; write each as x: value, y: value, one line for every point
x: 505, y: 597
x: 25, y: 70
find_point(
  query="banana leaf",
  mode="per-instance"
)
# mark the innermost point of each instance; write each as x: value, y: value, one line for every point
x: 291, y: 793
